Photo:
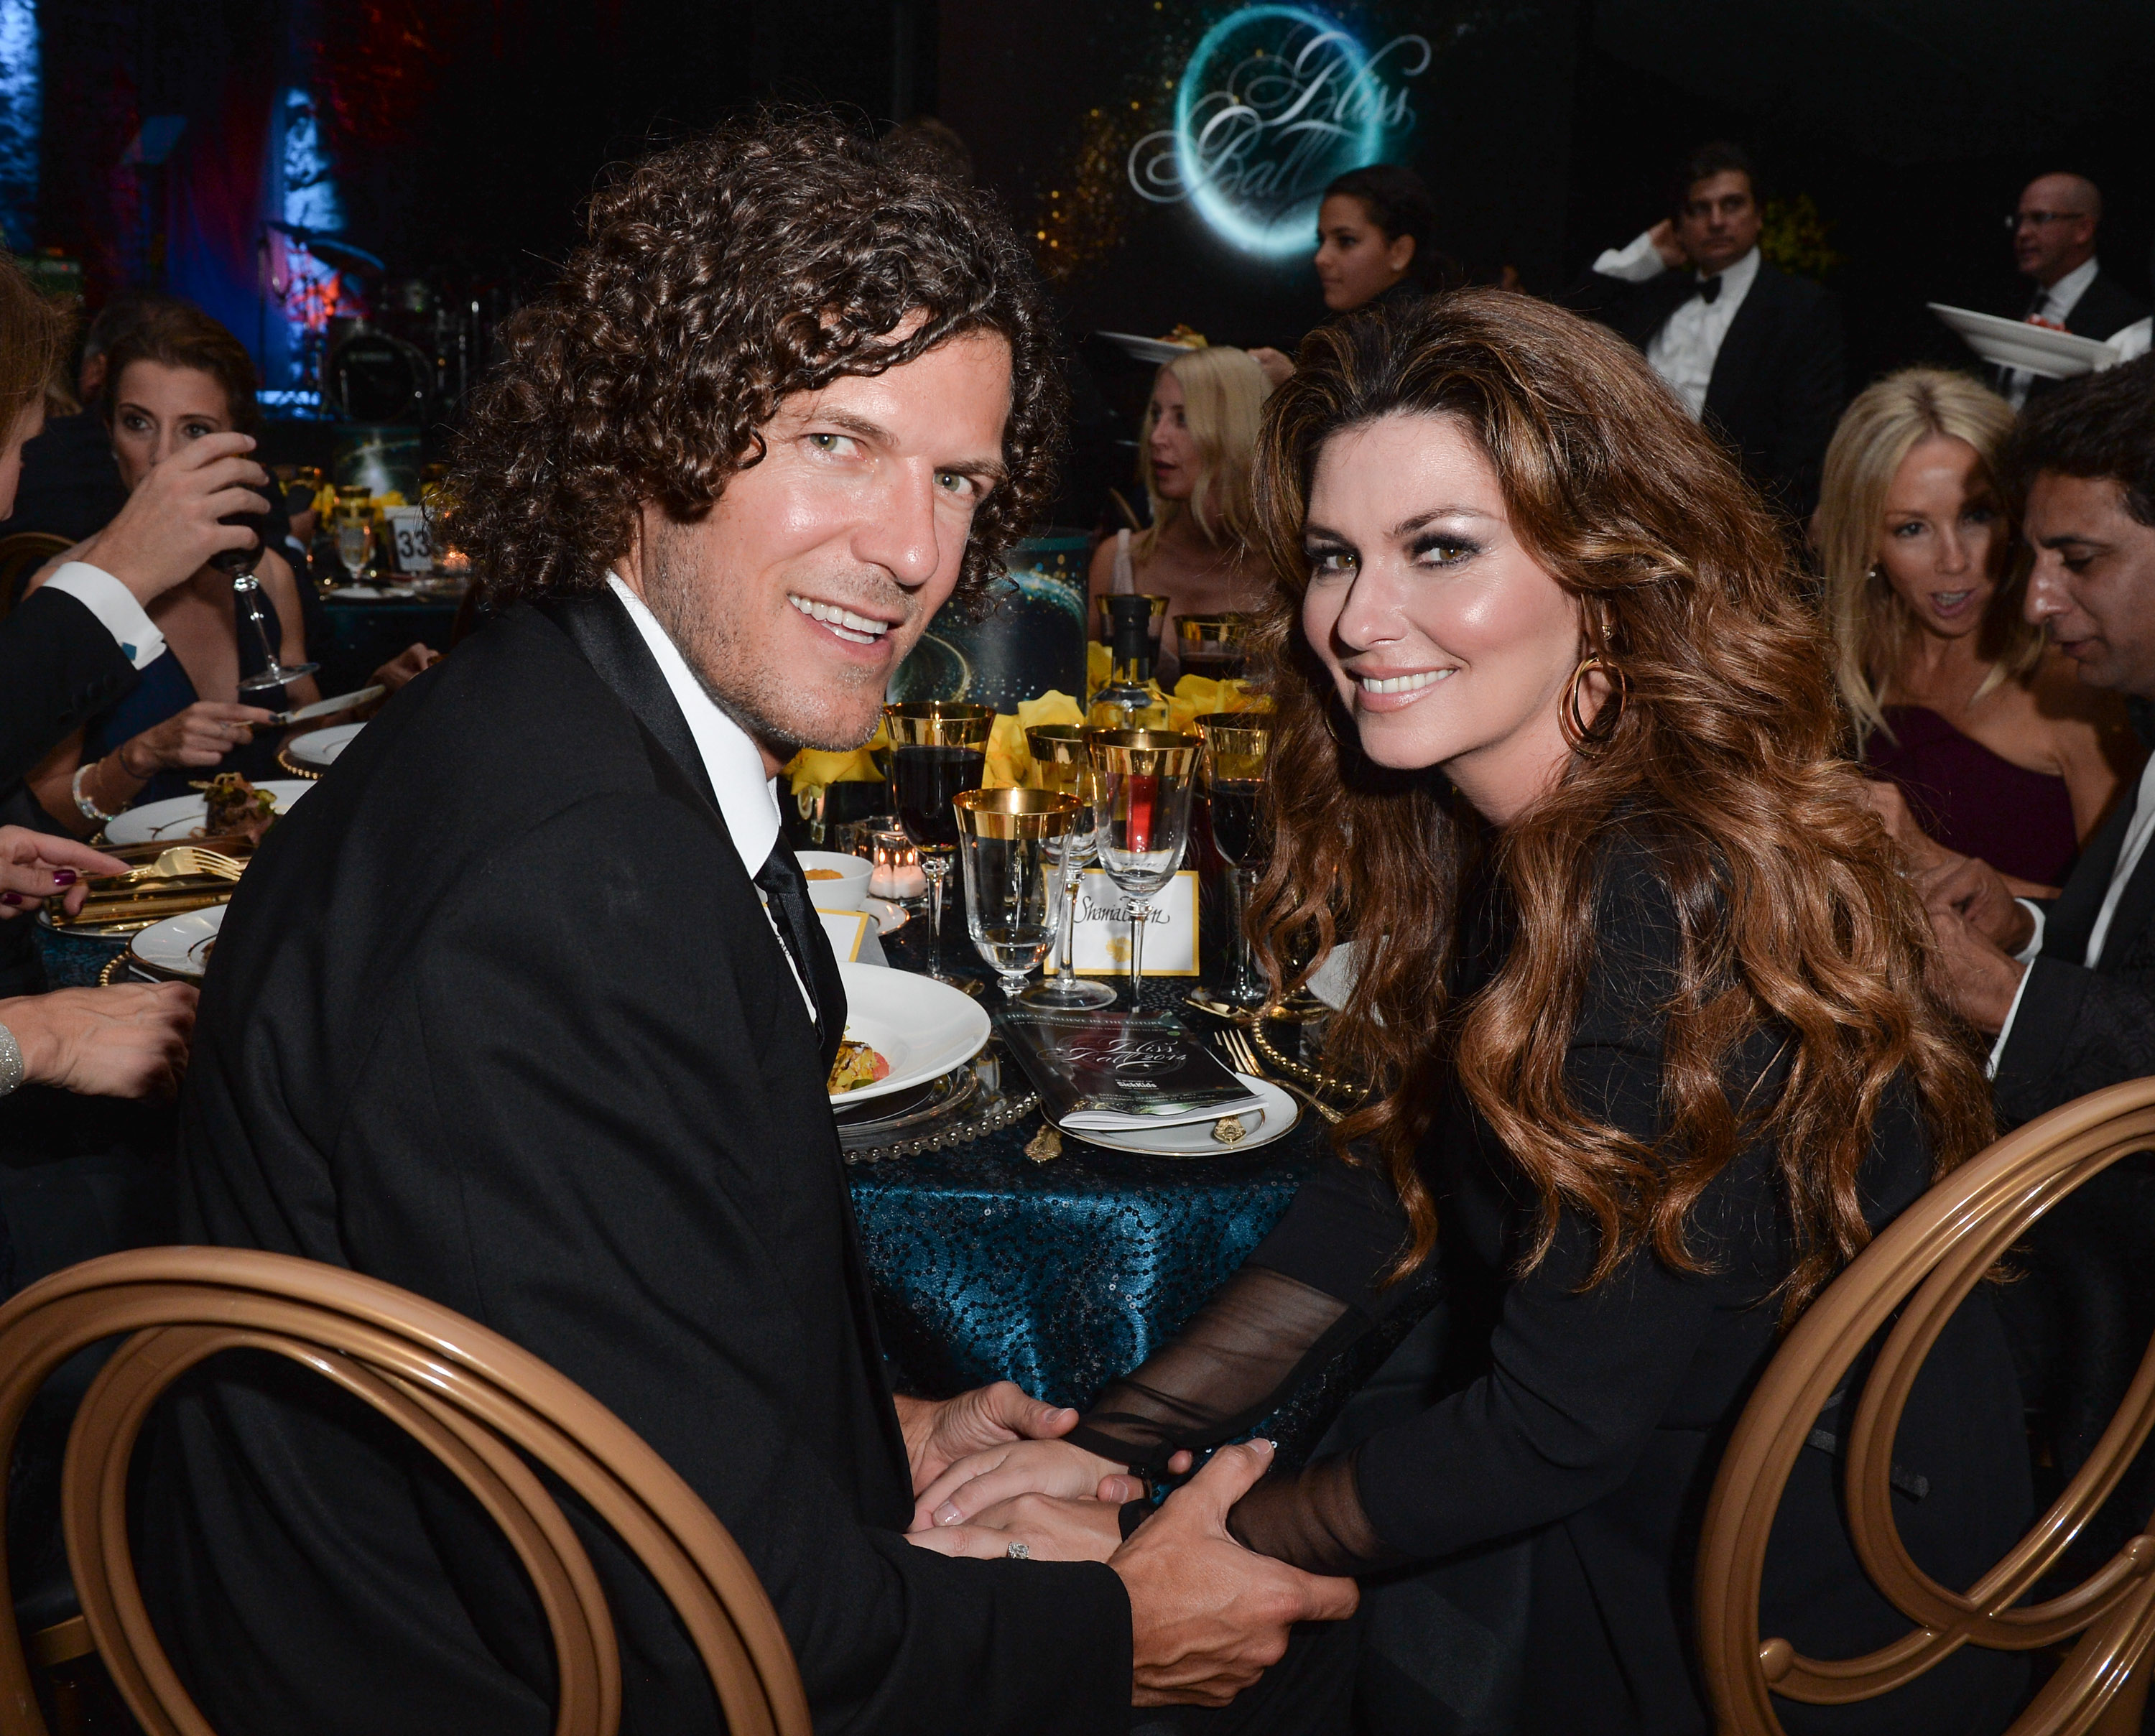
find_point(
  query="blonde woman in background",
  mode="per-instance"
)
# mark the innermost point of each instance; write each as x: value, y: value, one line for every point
x: 1955, y: 697
x: 1194, y: 447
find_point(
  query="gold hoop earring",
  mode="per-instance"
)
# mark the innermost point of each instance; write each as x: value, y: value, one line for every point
x: 1578, y: 736
x: 1331, y: 729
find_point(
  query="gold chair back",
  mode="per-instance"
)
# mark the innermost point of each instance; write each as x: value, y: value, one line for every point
x: 1913, y: 1278
x: 22, y: 555
x: 488, y: 1410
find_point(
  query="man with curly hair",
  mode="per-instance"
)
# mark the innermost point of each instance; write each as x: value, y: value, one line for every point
x: 524, y: 1009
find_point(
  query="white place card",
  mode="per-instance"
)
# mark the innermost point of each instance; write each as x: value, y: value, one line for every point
x: 845, y: 930
x: 1100, y: 942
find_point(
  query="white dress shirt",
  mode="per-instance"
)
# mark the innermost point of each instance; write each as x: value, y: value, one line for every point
x: 1684, y: 350
x: 2138, y: 832
x: 747, y: 796
x: 116, y: 610
x: 2055, y: 302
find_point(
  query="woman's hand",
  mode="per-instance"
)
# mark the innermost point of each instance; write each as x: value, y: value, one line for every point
x: 984, y: 1480
x: 412, y: 660
x: 939, y: 1430
x: 35, y: 865
x: 130, y: 1040
x: 1277, y: 369
x: 1051, y: 1530
x: 201, y: 735
x: 170, y: 525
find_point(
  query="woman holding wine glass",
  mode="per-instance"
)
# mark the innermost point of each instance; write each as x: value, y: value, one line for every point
x: 178, y: 377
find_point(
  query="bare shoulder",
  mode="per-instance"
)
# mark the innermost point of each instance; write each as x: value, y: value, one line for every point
x: 53, y: 566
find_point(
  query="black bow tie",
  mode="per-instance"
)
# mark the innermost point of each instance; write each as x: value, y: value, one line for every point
x: 1708, y: 289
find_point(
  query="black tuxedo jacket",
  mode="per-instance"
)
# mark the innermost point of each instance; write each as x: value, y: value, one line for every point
x: 2105, y: 308
x: 2079, y: 1029
x: 1777, y: 383
x: 497, y: 1016
x: 58, y: 667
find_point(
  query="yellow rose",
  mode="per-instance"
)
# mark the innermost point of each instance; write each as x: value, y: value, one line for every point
x: 1052, y: 707
x: 1099, y: 667
x: 1009, y: 760
x: 814, y: 767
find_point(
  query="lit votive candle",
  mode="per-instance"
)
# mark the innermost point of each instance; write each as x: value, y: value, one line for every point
x: 897, y: 874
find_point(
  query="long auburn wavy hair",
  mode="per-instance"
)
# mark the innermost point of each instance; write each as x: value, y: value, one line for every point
x: 717, y: 279
x: 1725, y: 758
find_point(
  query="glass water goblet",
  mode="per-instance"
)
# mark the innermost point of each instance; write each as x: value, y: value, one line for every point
x: 1008, y: 844
x: 1236, y: 746
x: 1145, y: 780
x: 1062, y: 762
x: 355, y: 544
x: 938, y: 750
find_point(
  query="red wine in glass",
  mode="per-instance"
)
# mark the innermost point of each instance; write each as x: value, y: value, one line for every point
x: 924, y: 782
x: 1235, y: 827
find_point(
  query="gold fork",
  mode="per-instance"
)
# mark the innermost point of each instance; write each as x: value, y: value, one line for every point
x: 1235, y: 1045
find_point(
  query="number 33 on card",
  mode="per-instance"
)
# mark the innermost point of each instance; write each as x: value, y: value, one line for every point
x: 1100, y: 942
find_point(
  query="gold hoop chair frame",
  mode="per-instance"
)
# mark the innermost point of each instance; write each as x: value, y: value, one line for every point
x: 481, y: 1405
x: 1922, y: 1267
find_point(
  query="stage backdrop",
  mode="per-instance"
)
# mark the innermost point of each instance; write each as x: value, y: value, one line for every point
x: 1166, y: 156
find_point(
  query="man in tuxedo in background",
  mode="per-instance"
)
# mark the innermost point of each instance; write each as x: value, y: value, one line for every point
x: 525, y: 1009
x: 1755, y: 353
x: 2054, y: 230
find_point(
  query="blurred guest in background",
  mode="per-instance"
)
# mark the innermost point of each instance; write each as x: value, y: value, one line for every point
x: 2054, y: 230
x: 1376, y: 241
x: 70, y: 486
x: 1753, y: 352
x: 1953, y: 693
x: 1194, y: 448
x: 179, y: 378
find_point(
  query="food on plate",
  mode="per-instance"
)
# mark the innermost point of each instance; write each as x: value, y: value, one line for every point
x: 857, y: 1065
x: 234, y: 807
x: 824, y: 874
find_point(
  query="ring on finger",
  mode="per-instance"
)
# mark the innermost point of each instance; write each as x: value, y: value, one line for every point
x: 1017, y: 1551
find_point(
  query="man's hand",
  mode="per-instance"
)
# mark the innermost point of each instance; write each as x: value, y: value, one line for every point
x: 1052, y: 1530
x: 983, y: 1480
x: 414, y: 659
x: 1663, y: 235
x: 1977, y: 892
x: 940, y: 1431
x: 1208, y: 1616
x: 1976, y: 976
x: 1921, y: 851
x: 35, y: 865
x: 169, y: 527
x: 130, y: 1040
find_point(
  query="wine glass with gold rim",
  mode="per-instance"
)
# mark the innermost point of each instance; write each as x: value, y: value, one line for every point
x: 1008, y: 844
x: 1061, y: 763
x: 1237, y: 747
x: 938, y: 750
x: 1146, y: 777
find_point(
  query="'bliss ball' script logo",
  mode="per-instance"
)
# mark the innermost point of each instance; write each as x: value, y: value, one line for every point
x: 1276, y: 102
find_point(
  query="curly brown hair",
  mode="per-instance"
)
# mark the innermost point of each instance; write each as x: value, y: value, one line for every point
x: 1724, y: 760
x: 717, y: 279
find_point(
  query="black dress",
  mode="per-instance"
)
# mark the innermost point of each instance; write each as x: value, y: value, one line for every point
x: 1590, y: 1421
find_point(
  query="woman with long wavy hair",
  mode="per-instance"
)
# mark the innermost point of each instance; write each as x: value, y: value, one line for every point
x: 1643, y: 995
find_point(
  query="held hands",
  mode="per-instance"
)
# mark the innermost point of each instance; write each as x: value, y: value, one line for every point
x: 169, y: 527
x: 984, y: 1480
x: 938, y: 1432
x: 35, y: 865
x: 201, y: 735
x: 130, y: 1040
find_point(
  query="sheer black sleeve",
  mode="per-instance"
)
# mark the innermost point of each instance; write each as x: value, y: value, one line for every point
x: 1309, y: 1290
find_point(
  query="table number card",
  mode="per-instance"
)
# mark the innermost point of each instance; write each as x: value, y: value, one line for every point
x: 411, y: 545
x: 1100, y: 943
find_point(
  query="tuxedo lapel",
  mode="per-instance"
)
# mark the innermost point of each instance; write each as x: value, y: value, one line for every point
x: 1740, y: 350
x: 599, y: 627
x: 2071, y: 919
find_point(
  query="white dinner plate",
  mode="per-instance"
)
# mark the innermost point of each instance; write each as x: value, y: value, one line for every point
x: 1274, y: 1118
x: 175, y: 820
x: 320, y: 749
x: 179, y: 946
x: 923, y: 1027
x: 1154, y: 350
x: 2034, y: 349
